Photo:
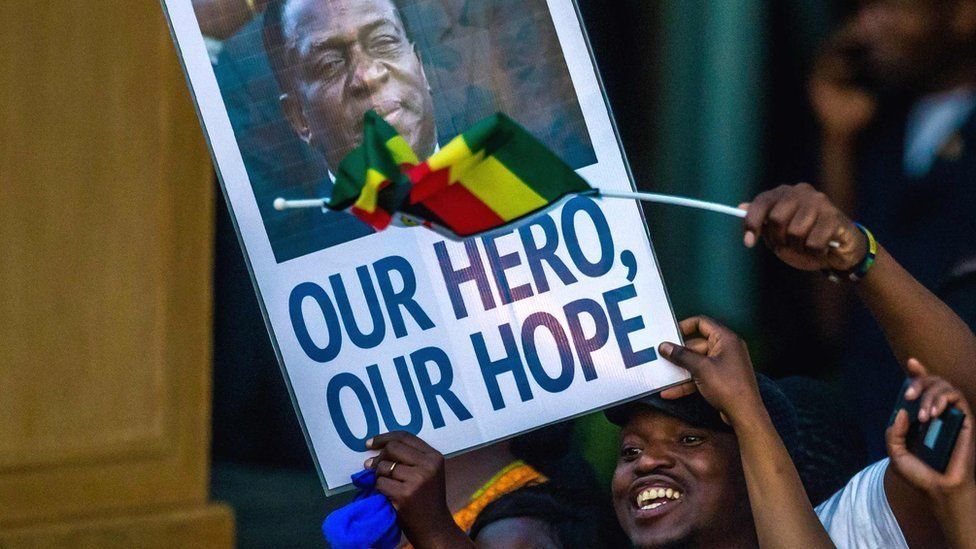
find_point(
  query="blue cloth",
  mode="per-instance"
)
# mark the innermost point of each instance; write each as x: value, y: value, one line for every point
x: 368, y: 522
x: 931, y: 122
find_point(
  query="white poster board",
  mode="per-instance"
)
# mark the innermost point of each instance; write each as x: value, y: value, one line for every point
x: 462, y: 343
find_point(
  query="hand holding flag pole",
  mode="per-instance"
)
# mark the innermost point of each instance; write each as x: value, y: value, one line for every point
x: 494, y: 174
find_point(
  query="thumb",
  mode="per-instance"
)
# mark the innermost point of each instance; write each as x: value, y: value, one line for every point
x: 912, y: 469
x: 683, y: 356
x: 916, y: 368
x: 896, y: 434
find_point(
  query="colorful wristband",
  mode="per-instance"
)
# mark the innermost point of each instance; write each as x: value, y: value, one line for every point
x: 861, y: 269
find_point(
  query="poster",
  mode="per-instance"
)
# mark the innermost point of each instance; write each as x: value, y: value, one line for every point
x: 463, y: 343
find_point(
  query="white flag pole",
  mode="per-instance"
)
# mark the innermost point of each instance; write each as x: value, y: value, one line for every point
x: 282, y: 204
x: 677, y: 201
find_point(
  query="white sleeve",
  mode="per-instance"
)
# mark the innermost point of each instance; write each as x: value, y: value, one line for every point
x: 859, y: 515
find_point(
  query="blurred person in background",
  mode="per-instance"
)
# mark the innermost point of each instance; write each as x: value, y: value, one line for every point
x: 895, y: 92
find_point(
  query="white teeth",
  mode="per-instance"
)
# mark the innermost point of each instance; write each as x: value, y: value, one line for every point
x: 654, y: 505
x: 656, y: 493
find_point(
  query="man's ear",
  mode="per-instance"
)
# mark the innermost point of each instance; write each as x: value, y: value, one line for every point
x: 296, y: 116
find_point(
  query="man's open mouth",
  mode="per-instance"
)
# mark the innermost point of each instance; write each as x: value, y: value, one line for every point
x: 656, y: 496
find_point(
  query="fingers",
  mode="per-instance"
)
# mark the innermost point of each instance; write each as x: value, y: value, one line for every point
x: 684, y: 357
x: 896, y: 433
x: 679, y: 391
x: 819, y: 237
x: 397, y: 451
x: 798, y: 229
x: 796, y: 216
x: 697, y: 345
x: 689, y: 326
x: 935, y: 394
x: 390, y: 469
x: 756, y: 215
x: 915, y: 368
x: 909, y: 466
x: 933, y: 399
x: 392, y: 489
x: 700, y: 325
x: 380, y: 441
x: 779, y: 219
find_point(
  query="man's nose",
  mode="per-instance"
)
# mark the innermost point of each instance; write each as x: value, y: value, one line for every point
x: 366, y: 73
x: 654, y: 457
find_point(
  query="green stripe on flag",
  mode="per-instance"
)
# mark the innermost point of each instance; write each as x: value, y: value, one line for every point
x: 537, y: 166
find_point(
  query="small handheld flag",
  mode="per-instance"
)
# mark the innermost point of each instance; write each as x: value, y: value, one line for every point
x: 370, y: 180
x: 489, y: 176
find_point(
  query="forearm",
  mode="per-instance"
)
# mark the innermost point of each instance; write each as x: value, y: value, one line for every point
x: 780, y: 507
x: 957, y: 517
x: 838, y: 169
x: 919, y: 325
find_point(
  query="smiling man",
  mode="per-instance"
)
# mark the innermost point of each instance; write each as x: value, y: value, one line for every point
x: 679, y: 480
x: 679, y: 483
x: 336, y: 59
x: 731, y: 481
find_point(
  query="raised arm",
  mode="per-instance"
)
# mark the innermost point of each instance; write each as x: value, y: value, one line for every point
x: 722, y: 371
x: 844, y: 109
x: 798, y: 223
x: 925, y: 494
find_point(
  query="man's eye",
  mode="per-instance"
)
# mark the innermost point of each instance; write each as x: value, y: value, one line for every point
x: 384, y: 44
x: 330, y: 66
x: 692, y: 440
x: 629, y: 452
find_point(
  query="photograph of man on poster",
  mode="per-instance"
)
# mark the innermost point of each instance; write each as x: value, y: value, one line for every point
x: 431, y: 68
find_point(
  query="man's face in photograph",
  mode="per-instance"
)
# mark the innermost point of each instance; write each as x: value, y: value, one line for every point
x: 353, y: 56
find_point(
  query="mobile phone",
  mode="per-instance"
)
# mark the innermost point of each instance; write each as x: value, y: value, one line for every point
x: 933, y: 440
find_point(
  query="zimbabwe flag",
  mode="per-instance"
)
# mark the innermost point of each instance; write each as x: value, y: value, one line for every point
x: 370, y: 179
x: 488, y: 176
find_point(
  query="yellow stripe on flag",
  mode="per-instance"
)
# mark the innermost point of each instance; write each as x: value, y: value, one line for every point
x: 501, y: 190
x: 370, y: 194
x: 456, y: 156
x: 401, y: 152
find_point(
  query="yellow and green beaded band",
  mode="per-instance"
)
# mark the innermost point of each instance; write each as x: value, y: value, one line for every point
x: 861, y: 270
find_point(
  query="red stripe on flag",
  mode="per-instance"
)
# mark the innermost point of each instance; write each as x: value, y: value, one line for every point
x: 419, y: 172
x: 462, y: 211
x: 427, y: 182
x: 379, y: 219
